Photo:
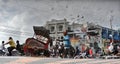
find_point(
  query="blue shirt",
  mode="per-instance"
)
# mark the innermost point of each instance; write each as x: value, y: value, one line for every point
x: 67, y: 41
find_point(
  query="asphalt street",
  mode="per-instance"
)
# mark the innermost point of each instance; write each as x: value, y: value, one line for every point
x: 43, y: 60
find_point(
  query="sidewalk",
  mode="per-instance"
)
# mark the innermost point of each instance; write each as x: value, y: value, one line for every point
x: 110, y: 57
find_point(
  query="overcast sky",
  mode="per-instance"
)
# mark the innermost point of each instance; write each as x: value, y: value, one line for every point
x: 17, y: 17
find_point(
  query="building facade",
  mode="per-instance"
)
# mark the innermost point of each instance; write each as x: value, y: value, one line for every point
x: 88, y: 34
x: 56, y: 28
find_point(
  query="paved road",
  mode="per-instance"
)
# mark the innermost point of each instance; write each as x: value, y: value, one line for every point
x: 38, y: 60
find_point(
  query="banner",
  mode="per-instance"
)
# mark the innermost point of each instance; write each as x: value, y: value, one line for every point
x: 116, y: 35
x: 104, y: 33
x: 119, y: 36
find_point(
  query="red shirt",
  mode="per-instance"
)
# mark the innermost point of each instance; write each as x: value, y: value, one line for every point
x: 90, y: 52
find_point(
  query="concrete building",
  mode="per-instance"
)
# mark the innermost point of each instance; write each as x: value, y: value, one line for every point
x: 87, y: 33
x: 57, y: 27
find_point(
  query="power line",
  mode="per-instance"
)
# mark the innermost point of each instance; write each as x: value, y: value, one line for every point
x: 16, y: 32
x: 3, y: 27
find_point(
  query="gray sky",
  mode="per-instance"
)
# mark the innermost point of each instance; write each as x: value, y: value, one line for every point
x: 17, y: 17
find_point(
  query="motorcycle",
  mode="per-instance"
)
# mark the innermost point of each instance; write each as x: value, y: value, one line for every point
x: 4, y: 52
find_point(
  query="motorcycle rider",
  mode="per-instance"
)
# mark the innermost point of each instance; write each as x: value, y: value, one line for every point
x: 3, y: 47
x: 12, y: 45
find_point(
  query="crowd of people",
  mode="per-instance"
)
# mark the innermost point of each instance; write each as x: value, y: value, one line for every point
x: 66, y: 50
x: 59, y: 50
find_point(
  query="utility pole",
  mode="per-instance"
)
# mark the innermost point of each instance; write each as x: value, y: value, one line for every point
x: 111, y: 19
x: 73, y: 29
x: 65, y: 23
x: 56, y: 33
x: 111, y: 22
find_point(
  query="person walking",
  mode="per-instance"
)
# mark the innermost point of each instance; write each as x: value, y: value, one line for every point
x: 90, y: 52
x: 67, y: 43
